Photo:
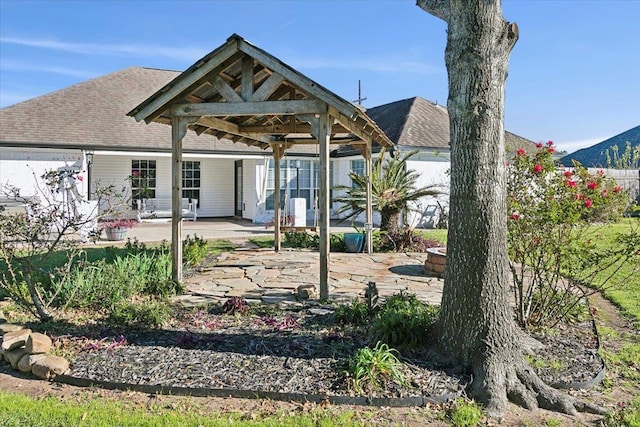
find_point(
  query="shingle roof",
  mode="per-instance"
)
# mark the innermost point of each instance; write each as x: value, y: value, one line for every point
x: 93, y: 115
x: 419, y: 123
x: 596, y: 155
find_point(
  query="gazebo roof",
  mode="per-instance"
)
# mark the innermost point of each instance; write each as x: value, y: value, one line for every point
x: 242, y: 93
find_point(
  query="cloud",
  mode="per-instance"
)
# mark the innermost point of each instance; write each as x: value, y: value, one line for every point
x: 181, y: 53
x: 12, y: 65
x: 384, y: 65
x: 571, y: 146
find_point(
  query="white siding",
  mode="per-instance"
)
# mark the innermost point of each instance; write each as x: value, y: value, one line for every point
x: 22, y: 167
x: 433, y: 171
x: 217, y: 187
x: 249, y: 189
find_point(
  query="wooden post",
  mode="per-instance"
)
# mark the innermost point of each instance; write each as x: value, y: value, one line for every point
x: 324, y: 137
x: 277, y: 155
x: 178, y: 131
x: 369, y: 207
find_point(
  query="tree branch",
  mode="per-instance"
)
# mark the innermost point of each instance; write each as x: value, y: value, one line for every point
x: 438, y: 8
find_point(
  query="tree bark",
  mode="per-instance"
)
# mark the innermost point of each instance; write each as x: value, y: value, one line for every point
x: 389, y: 220
x: 476, y: 328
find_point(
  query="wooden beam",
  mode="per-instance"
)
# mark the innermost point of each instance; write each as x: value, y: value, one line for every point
x: 231, y: 128
x: 323, y: 137
x: 249, y: 108
x: 305, y: 84
x: 225, y: 90
x: 369, y: 205
x: 179, y: 128
x: 278, y: 151
x: 155, y: 107
x: 246, y: 80
x: 267, y: 88
x: 286, y: 128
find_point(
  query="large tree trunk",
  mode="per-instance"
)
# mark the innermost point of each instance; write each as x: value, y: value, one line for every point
x: 390, y: 220
x: 476, y: 328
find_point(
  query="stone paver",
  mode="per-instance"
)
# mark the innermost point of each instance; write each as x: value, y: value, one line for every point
x: 274, y: 277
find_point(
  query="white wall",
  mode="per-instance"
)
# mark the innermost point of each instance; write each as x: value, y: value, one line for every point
x: 216, y: 179
x: 433, y: 171
x: 22, y: 167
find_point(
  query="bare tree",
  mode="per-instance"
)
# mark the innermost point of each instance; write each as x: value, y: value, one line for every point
x: 476, y: 328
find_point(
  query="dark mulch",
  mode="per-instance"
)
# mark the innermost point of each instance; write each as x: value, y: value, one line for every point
x: 294, y: 351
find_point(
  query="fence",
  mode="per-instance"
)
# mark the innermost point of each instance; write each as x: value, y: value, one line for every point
x: 628, y: 179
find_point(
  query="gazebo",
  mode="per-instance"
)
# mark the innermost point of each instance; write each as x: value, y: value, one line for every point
x: 242, y: 93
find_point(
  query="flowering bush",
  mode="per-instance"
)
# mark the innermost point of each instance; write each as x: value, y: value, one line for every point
x: 549, y: 212
x: 119, y: 223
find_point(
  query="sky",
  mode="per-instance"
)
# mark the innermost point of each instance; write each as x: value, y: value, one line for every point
x: 574, y: 74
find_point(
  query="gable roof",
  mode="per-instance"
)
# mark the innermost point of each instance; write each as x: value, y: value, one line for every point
x: 241, y: 92
x: 419, y: 123
x: 92, y: 115
x: 596, y: 155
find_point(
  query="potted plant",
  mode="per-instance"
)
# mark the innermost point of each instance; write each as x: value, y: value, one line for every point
x: 354, y: 242
x: 116, y: 229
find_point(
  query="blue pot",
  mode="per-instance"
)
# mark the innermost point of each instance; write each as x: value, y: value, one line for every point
x: 354, y: 242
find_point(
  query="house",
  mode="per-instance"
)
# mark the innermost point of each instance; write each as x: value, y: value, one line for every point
x: 85, y: 127
x: 596, y: 155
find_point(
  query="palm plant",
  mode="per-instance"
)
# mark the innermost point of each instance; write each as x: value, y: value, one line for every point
x: 392, y: 188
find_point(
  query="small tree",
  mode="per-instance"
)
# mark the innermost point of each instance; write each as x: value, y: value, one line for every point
x: 31, y: 240
x: 551, y: 213
x: 628, y: 159
x: 392, y: 188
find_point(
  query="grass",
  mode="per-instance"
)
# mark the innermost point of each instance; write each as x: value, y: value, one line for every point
x: 624, y: 288
x: 22, y: 411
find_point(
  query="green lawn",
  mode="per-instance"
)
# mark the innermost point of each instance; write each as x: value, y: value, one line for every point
x: 21, y: 411
x: 624, y: 287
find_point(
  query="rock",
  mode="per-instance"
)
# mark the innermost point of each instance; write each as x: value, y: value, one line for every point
x: 15, y: 339
x: 307, y: 292
x: 38, y: 343
x: 26, y: 362
x: 14, y: 356
x: 9, y: 327
x: 49, y: 366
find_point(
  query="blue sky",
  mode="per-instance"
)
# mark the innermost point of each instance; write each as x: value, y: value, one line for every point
x: 574, y: 75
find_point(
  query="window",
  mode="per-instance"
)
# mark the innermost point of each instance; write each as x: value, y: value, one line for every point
x: 357, y: 167
x: 143, y: 180
x: 191, y: 180
x: 304, y: 178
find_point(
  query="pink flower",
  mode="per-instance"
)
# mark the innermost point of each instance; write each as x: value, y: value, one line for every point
x: 600, y: 172
x: 604, y: 193
x: 592, y: 185
x: 538, y: 168
x: 617, y: 189
x: 539, y: 145
x: 135, y: 173
x: 588, y: 203
x: 549, y: 143
x: 550, y: 150
x: 568, y: 174
x: 521, y: 152
x: 515, y: 216
x: 570, y: 183
x: 80, y: 178
x: 579, y: 197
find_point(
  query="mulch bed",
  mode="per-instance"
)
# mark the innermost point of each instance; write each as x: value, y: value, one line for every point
x: 291, y: 351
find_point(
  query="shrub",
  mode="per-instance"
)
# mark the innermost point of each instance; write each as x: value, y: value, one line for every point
x: 143, y: 314
x: 403, y: 321
x: 357, y: 314
x: 302, y: 239
x: 193, y: 250
x: 549, y: 212
x: 406, y: 239
x: 369, y: 367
